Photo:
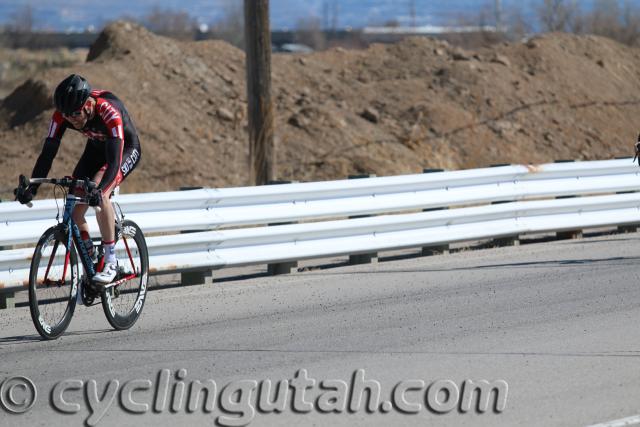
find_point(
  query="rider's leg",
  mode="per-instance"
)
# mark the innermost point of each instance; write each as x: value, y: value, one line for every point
x: 106, y: 219
x: 78, y: 214
x: 106, y: 223
x: 78, y: 217
x: 89, y: 163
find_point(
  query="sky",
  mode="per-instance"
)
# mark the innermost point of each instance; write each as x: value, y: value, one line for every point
x: 65, y: 15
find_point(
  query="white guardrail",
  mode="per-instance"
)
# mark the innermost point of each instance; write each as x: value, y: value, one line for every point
x: 326, y: 206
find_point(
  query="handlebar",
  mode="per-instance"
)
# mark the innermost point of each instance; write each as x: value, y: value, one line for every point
x: 84, y: 184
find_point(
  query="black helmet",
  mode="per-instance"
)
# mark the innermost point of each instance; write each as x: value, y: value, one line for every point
x: 71, y: 94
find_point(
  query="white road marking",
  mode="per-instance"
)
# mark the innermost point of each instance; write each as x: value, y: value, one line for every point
x: 622, y: 422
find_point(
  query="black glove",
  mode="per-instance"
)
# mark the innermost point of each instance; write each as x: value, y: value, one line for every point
x: 94, y: 198
x: 25, y: 191
x: 637, y: 155
x: 23, y: 195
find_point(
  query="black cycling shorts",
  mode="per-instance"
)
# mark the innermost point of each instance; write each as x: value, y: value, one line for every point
x: 93, y: 160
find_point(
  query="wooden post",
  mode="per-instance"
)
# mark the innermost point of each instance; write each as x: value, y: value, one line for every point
x: 260, y: 107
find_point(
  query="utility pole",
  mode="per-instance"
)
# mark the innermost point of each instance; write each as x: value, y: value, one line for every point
x: 498, y: 16
x: 334, y: 17
x: 325, y: 15
x: 412, y: 12
x: 260, y: 107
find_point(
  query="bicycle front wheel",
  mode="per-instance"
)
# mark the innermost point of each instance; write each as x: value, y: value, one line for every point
x: 123, y: 299
x: 53, y: 283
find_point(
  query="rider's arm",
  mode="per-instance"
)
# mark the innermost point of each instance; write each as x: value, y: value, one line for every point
x: 45, y: 159
x: 49, y: 149
x: 113, y: 146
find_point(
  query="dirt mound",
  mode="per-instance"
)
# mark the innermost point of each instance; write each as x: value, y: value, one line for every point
x: 118, y: 39
x: 390, y: 109
x: 17, y: 64
x: 25, y: 103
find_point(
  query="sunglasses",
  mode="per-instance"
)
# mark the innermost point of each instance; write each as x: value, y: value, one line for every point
x: 74, y: 113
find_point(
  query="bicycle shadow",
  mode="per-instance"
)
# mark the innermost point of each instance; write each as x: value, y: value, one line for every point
x: 26, y: 339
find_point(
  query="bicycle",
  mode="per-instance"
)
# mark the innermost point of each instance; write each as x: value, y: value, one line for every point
x: 55, y: 286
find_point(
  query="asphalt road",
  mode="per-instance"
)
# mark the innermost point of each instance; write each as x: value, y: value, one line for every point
x: 557, y: 321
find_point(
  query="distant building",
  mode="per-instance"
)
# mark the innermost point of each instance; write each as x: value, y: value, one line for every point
x: 293, y: 48
x: 427, y: 30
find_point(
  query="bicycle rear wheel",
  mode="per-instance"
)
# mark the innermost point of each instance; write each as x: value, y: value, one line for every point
x: 123, y: 299
x: 53, y: 283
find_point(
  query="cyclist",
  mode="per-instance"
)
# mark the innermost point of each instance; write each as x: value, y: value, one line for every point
x: 112, y: 152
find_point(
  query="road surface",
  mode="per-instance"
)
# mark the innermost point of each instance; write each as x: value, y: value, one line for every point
x: 558, y: 322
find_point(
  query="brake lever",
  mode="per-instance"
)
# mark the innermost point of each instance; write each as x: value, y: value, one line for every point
x: 23, y: 185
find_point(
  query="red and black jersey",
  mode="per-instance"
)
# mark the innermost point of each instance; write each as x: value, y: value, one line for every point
x: 111, y: 120
x: 110, y: 131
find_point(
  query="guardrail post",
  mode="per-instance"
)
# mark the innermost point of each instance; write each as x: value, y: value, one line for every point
x: 628, y: 228
x: 195, y: 277
x: 435, y: 249
x: 568, y: 234
x: 7, y: 300
x: 200, y: 277
x: 4, y: 248
x: 622, y: 229
x: 366, y: 258
x: 507, y: 240
x: 278, y: 268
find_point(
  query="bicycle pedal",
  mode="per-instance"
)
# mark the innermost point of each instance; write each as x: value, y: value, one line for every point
x: 108, y: 285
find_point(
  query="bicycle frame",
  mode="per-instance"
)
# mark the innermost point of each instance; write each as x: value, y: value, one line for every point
x: 72, y: 238
x: 67, y: 219
x: 75, y: 238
